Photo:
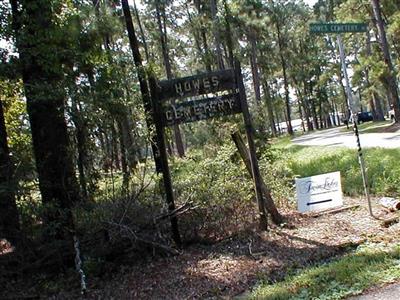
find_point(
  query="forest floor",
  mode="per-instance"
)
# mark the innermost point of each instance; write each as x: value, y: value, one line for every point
x: 231, y: 266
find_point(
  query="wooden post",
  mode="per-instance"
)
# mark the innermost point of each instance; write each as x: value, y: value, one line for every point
x: 252, y: 147
x: 269, y: 202
x: 163, y: 158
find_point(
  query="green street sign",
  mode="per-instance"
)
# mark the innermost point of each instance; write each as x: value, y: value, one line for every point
x: 338, y: 27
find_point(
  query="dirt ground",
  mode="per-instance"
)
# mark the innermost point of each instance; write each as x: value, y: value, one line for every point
x: 234, y: 265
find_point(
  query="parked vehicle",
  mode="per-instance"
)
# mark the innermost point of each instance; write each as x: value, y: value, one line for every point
x: 364, y: 116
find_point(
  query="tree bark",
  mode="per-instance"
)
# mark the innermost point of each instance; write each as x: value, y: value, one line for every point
x: 285, y: 81
x: 204, y: 37
x: 196, y: 38
x: 229, y: 41
x: 146, y: 50
x: 81, y: 144
x: 391, y: 76
x: 43, y: 83
x: 375, y: 101
x: 144, y: 89
x: 167, y: 63
x: 124, y: 161
x: 254, y: 66
x: 217, y: 37
x: 268, y: 100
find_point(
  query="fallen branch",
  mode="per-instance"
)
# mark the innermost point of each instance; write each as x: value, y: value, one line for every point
x: 177, y: 211
x: 135, y: 237
x: 333, y: 211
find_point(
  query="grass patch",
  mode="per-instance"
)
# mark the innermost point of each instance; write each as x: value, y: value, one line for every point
x: 382, y: 166
x: 367, y: 266
x: 369, y: 127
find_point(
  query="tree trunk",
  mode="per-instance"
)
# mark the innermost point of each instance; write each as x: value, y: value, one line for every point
x: 314, y: 114
x: 268, y: 100
x: 144, y: 89
x: 321, y: 121
x: 115, y: 149
x: 301, y: 116
x: 285, y: 81
x: 126, y: 174
x: 229, y: 41
x: 217, y: 38
x: 336, y: 113
x: 254, y: 66
x: 167, y: 63
x: 146, y: 50
x: 196, y: 38
x: 375, y: 101
x: 129, y: 145
x: 9, y: 219
x: 45, y: 96
x: 306, y: 106
x: 81, y: 143
x: 204, y: 37
x: 391, y: 77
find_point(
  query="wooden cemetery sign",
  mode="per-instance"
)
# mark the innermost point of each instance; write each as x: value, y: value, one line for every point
x: 198, y: 85
x: 192, y: 111
x: 212, y: 95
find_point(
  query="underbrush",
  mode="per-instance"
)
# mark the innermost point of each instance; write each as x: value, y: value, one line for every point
x: 211, y: 186
x: 213, y: 190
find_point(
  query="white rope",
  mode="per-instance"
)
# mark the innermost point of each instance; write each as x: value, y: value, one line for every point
x: 78, y: 265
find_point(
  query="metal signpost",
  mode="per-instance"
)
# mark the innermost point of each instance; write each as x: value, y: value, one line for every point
x: 319, y: 28
x: 204, y: 104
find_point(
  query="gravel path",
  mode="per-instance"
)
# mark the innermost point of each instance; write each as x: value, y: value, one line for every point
x: 389, y: 292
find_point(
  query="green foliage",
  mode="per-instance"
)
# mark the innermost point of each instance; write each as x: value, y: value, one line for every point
x: 368, y: 266
x: 18, y: 131
x: 219, y: 185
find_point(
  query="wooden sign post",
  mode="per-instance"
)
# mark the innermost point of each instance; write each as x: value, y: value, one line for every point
x: 231, y: 101
x: 252, y: 148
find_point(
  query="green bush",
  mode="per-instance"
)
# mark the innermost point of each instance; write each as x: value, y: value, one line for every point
x: 219, y: 187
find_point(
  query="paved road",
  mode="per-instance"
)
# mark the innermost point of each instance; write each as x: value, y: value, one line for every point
x: 390, y: 292
x: 335, y: 138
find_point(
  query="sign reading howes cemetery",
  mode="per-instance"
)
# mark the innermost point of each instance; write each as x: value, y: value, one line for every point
x: 195, y: 98
x: 338, y: 27
x: 199, y: 109
x: 319, y: 192
x: 191, y: 111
